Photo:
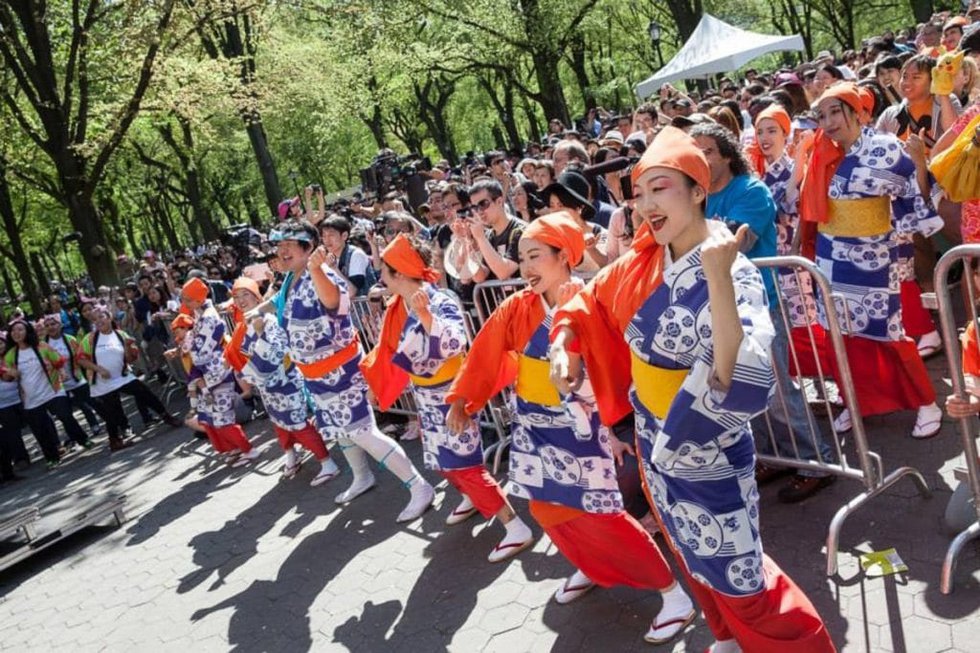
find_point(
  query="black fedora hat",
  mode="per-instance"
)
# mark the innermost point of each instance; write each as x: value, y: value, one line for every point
x: 572, y: 188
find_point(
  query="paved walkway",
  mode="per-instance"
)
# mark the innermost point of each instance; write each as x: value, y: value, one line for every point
x: 215, y: 559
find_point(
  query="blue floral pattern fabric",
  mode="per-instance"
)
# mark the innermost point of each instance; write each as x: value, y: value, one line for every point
x: 205, y: 344
x: 553, y: 458
x: 421, y: 354
x: 699, y: 460
x: 864, y: 271
x: 279, y: 385
x: 341, y: 408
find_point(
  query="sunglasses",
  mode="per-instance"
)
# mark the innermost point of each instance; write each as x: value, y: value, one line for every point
x: 483, y: 204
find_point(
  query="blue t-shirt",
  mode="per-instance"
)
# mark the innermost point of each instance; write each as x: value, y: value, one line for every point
x: 747, y: 200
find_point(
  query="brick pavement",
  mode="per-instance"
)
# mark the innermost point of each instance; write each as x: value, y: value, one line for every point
x: 215, y: 559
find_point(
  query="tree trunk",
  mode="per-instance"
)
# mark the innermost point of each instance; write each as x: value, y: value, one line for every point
x: 184, y: 151
x: 267, y: 167
x: 8, y: 283
x: 19, y: 256
x: 551, y: 95
x: 922, y: 10
x: 85, y: 219
x: 42, y: 279
x: 532, y: 120
x: 577, y: 51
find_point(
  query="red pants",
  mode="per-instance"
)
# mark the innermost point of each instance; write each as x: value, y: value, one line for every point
x: 888, y: 376
x: 915, y: 317
x: 228, y: 438
x: 307, y: 437
x: 609, y: 549
x: 482, y: 488
x: 779, y: 618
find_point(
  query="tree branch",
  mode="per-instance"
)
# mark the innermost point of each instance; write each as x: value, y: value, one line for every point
x: 128, y: 114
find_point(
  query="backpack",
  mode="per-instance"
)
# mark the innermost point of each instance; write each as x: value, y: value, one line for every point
x: 370, y: 276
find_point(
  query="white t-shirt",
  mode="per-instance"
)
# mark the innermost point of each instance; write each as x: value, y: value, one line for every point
x: 34, y: 380
x: 61, y: 346
x: 359, y: 262
x: 110, y: 354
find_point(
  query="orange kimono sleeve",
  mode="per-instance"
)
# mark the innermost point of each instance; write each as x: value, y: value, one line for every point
x: 971, y: 351
x: 491, y: 364
x: 386, y: 380
x: 604, y: 350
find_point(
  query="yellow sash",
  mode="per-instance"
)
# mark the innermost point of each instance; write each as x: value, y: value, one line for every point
x: 447, y: 372
x: 655, y: 386
x: 534, y: 382
x: 869, y: 216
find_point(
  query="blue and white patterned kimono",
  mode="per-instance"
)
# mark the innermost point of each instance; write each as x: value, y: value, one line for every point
x: 699, y: 461
x: 280, y: 387
x: 341, y: 409
x: 863, y: 271
x: 205, y: 345
x: 551, y: 460
x: 798, y: 295
x: 422, y: 354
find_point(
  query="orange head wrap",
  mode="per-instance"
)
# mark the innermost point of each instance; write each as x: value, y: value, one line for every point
x: 182, y: 321
x: 824, y: 159
x: 402, y: 257
x: 674, y: 149
x: 195, y: 290
x: 559, y: 230
x: 778, y: 114
x: 251, y: 285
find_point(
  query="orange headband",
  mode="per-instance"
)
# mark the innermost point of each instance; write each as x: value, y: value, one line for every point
x: 402, y: 257
x: 558, y: 230
x: 244, y: 283
x: 674, y: 149
x: 847, y: 93
x: 195, y: 290
x: 778, y: 115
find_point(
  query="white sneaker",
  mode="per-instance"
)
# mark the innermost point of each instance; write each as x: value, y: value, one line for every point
x: 928, y: 422
x: 843, y: 422
x: 356, y: 489
x: 412, y: 432
x: 421, y: 499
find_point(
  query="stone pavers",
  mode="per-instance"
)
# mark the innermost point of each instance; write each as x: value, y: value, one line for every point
x: 214, y: 559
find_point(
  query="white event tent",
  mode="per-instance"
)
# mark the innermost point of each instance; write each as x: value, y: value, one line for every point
x: 716, y: 47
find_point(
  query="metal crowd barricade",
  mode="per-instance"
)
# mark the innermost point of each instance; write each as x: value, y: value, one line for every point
x: 966, y: 254
x: 487, y: 296
x: 866, y: 465
x: 367, y: 316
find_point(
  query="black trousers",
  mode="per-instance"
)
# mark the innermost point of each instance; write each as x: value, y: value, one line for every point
x: 80, y: 399
x: 111, y: 409
x: 12, y: 424
x: 61, y: 408
x: 44, y: 430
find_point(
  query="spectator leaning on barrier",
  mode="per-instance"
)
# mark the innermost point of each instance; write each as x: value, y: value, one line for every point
x: 352, y: 262
x: 495, y: 233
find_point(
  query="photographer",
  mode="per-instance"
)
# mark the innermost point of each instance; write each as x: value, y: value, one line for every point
x: 495, y: 233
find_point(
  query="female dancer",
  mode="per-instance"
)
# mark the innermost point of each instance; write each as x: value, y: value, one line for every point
x: 860, y: 188
x: 561, y: 457
x: 681, y: 322
x: 38, y: 369
x: 106, y: 354
x: 257, y: 352
x: 314, y: 308
x: 210, y: 381
x: 423, y: 340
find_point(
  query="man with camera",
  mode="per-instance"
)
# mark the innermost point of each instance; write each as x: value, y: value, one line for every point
x: 495, y: 233
x: 351, y: 262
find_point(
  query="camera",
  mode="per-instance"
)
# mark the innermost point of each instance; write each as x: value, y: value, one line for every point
x: 388, y: 172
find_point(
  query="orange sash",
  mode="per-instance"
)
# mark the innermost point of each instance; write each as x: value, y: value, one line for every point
x: 233, y: 352
x: 325, y: 366
x: 386, y: 380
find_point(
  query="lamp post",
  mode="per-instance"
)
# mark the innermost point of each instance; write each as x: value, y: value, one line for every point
x: 654, y: 30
